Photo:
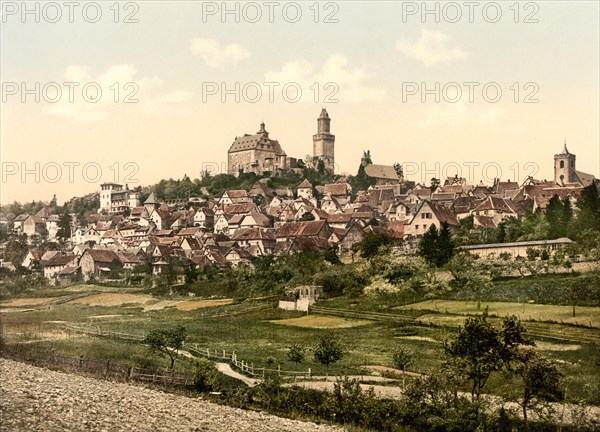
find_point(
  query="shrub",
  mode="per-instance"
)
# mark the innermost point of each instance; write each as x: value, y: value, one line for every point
x: 205, y: 375
x: 296, y: 353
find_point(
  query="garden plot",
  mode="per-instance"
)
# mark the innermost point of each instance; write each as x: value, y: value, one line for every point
x: 33, y: 301
x: 148, y: 302
x: 113, y: 299
x: 315, y: 321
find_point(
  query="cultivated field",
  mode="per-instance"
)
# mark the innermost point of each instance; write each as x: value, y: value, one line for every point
x: 584, y: 316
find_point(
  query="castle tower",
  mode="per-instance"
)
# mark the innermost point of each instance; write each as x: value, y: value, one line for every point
x: 564, y: 167
x: 324, y: 141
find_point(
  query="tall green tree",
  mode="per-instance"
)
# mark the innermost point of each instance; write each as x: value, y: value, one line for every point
x: 554, y: 217
x: 567, y: 212
x: 428, y: 245
x: 445, y: 246
x: 64, y: 225
x: 589, y: 209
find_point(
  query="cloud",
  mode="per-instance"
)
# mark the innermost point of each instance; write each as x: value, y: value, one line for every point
x: 119, y: 83
x: 431, y: 48
x: 458, y: 114
x: 216, y: 56
x: 337, y: 81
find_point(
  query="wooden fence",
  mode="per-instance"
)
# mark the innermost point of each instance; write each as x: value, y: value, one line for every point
x: 123, y: 372
x: 245, y: 367
x: 222, y: 355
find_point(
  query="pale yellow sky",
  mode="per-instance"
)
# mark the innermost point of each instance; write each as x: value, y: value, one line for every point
x: 173, y: 64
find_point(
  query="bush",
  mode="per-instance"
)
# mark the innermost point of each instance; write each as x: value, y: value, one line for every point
x: 206, y: 376
x: 296, y: 353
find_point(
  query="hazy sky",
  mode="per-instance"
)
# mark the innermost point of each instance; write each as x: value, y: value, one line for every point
x: 183, y: 64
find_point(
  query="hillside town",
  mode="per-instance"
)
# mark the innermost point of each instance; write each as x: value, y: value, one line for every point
x: 239, y: 225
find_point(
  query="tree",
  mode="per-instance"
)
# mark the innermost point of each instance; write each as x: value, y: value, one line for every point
x: 554, y: 216
x: 328, y: 350
x: 64, y: 225
x: 166, y: 341
x: 361, y: 181
x: 16, y: 249
x: 445, y: 246
x: 428, y: 245
x: 479, y: 348
x: 567, y: 212
x: 371, y: 244
x: 399, y: 170
x: 541, y: 381
x: 331, y: 255
x: 296, y: 353
x: 589, y: 206
x: 402, y: 358
x: 434, y: 183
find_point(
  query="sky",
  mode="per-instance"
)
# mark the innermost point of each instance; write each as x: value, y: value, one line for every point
x: 134, y: 92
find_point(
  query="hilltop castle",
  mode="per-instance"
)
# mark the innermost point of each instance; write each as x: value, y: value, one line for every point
x: 259, y: 154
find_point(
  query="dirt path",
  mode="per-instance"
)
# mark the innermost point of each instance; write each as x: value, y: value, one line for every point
x: 224, y: 368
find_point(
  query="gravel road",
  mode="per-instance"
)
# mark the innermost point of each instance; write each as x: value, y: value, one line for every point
x: 36, y: 399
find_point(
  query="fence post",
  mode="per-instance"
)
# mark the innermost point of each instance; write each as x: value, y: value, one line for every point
x: 279, y: 369
x: 309, y: 372
x: 223, y: 353
x: 107, y: 366
x: 252, y: 368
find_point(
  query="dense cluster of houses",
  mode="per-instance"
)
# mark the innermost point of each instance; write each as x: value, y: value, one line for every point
x: 234, y: 228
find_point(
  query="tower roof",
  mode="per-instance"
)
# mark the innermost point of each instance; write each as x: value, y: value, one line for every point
x: 565, y: 151
x: 305, y: 184
x: 151, y: 199
x: 324, y: 114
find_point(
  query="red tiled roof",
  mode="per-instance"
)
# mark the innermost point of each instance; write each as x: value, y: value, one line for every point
x: 301, y: 229
x: 252, y: 234
x: 336, y: 189
x: 59, y: 260
x: 102, y: 255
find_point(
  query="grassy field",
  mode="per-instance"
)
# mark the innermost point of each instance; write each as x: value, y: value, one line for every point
x: 584, y: 316
x: 260, y: 334
x: 322, y: 322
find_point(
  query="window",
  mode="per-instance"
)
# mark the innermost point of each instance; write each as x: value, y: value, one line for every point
x: 562, y: 164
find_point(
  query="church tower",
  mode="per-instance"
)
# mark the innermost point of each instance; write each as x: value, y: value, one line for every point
x: 564, y: 167
x: 324, y: 141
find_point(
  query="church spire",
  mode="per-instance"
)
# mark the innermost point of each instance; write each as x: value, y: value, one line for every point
x: 565, y: 151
